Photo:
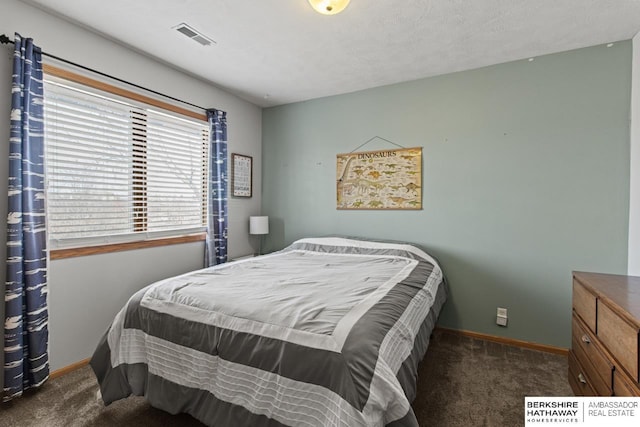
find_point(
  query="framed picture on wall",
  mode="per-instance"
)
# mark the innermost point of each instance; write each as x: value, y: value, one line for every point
x: 241, y: 175
x: 383, y: 179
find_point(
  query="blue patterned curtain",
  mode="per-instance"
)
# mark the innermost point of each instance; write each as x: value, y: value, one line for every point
x: 216, y: 244
x: 26, y: 334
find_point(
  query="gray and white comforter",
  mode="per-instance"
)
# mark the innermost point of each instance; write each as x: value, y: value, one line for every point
x: 327, y: 332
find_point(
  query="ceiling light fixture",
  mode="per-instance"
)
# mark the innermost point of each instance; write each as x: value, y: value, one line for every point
x: 329, y: 7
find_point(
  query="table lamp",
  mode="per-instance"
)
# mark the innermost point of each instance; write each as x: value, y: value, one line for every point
x: 259, y: 225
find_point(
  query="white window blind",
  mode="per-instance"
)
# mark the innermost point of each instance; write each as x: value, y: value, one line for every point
x: 118, y: 170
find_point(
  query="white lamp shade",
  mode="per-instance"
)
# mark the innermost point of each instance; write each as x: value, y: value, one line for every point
x: 258, y: 225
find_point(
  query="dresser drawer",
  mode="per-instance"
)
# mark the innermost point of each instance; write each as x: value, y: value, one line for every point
x: 584, y: 303
x: 605, y: 342
x: 619, y: 337
x: 623, y: 387
x: 577, y: 379
x: 592, y: 359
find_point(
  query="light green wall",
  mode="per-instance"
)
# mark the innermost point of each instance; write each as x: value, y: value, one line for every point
x: 525, y: 174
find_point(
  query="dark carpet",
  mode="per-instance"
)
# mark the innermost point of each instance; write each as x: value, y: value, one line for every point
x: 462, y: 382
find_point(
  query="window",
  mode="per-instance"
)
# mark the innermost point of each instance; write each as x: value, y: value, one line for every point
x: 119, y: 169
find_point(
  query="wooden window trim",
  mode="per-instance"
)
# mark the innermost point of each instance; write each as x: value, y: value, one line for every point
x: 127, y: 246
x: 56, y: 254
x: 96, y: 84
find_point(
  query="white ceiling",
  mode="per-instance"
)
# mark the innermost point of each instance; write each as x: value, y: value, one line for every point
x: 273, y: 52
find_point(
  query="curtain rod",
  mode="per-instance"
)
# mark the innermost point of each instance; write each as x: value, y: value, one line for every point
x: 6, y: 40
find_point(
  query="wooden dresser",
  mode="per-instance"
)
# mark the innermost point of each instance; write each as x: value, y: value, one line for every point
x: 603, y: 360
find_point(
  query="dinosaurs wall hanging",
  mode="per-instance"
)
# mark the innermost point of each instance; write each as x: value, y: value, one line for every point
x: 383, y: 179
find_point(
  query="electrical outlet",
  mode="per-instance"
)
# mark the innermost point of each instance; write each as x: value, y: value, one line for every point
x: 501, y: 317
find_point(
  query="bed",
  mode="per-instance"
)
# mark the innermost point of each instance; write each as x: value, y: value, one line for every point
x: 326, y: 332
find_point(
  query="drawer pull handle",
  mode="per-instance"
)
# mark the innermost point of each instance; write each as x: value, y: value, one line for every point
x: 582, y: 379
x: 586, y: 339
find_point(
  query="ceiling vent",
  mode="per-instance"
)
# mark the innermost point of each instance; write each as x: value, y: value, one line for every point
x: 193, y: 34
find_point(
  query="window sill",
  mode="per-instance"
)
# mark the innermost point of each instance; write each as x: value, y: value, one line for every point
x: 128, y: 246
